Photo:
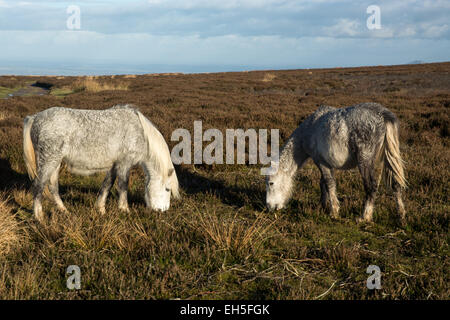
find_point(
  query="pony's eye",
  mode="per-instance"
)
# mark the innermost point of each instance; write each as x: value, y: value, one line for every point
x: 167, y: 189
x: 270, y: 183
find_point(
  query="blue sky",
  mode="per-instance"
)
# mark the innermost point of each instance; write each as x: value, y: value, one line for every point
x: 219, y: 35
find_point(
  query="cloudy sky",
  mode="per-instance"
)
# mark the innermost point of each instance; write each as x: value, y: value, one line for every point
x: 218, y: 35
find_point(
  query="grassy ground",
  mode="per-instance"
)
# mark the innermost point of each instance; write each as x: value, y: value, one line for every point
x: 219, y: 241
x: 61, y: 92
x: 4, y: 92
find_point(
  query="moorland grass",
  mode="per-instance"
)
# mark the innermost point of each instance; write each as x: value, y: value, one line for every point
x: 219, y: 241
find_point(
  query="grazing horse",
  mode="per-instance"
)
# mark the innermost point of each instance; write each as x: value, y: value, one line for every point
x: 91, y: 141
x: 362, y: 136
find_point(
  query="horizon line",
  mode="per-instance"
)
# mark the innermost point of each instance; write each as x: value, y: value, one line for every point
x: 415, y: 62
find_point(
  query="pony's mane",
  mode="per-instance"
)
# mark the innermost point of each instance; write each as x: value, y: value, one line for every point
x: 158, y: 151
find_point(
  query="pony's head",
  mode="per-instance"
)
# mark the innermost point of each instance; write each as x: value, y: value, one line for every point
x: 278, y: 187
x: 159, y: 188
x: 162, y: 178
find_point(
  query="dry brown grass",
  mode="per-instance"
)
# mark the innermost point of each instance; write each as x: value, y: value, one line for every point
x: 219, y: 241
x: 24, y: 281
x: 3, y: 115
x: 268, y: 77
x: 232, y: 233
x: 11, y: 230
x: 91, y: 84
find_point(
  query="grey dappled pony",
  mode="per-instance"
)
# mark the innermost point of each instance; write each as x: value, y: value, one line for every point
x: 91, y: 141
x: 362, y: 136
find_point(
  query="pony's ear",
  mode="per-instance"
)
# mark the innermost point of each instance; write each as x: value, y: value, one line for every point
x: 171, y: 171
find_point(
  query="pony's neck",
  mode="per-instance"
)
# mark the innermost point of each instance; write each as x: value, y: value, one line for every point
x: 292, y: 156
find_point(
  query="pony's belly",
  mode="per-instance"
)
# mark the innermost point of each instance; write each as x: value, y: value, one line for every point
x: 337, y: 155
x: 87, y: 169
x: 86, y: 160
x: 339, y: 158
x: 343, y: 163
x: 332, y: 141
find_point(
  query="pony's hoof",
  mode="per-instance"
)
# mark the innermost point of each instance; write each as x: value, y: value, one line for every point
x: 402, y: 222
x: 100, y: 209
x: 335, y: 216
x: 42, y: 219
x: 63, y: 210
x: 361, y: 220
x: 39, y: 220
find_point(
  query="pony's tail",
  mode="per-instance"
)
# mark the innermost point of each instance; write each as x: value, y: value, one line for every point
x: 393, y: 165
x: 159, y: 153
x: 28, y: 148
x: 29, y: 155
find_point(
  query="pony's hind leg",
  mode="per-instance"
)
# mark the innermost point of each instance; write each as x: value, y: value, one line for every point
x: 325, y: 195
x: 38, y: 188
x: 104, y: 191
x: 328, y: 188
x: 123, y: 177
x: 45, y: 172
x: 54, y: 189
x: 370, y: 182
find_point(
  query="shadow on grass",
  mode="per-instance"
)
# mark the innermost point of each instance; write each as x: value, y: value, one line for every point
x: 192, y: 183
x: 10, y: 178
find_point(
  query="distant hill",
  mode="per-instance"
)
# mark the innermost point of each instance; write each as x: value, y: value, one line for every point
x: 416, y: 62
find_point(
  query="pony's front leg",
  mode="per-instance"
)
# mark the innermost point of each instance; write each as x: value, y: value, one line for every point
x: 104, y: 191
x: 328, y: 187
x: 325, y: 195
x: 122, y: 184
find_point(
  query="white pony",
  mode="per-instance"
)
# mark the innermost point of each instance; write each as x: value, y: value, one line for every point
x: 358, y: 136
x: 91, y: 141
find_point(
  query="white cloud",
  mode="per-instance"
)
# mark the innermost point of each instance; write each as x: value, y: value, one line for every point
x: 407, y: 31
x: 435, y: 31
x: 206, y: 18
x: 344, y: 27
x: 222, y: 4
